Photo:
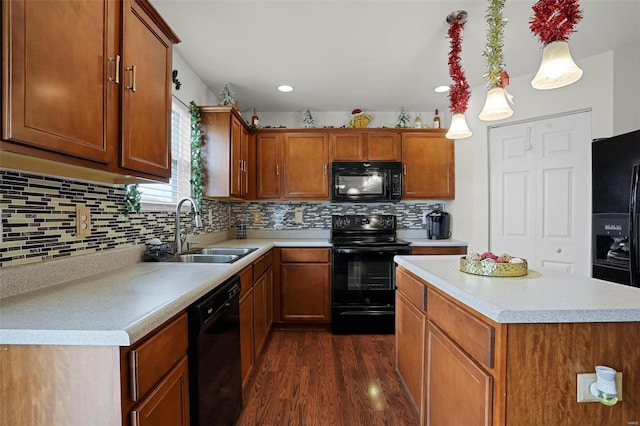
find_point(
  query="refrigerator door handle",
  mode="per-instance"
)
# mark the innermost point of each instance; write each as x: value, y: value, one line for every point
x: 633, y: 226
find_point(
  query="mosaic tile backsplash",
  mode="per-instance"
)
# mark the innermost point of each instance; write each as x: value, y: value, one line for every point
x: 38, y: 217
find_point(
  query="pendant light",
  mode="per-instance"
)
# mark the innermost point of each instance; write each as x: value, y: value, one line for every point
x: 458, y: 128
x: 553, y: 22
x: 459, y: 93
x: 496, y: 106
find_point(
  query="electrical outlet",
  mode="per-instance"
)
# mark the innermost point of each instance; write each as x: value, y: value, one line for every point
x: 257, y: 218
x: 210, y: 217
x: 83, y: 221
x: 297, y: 215
x: 1, y: 227
x: 584, y: 382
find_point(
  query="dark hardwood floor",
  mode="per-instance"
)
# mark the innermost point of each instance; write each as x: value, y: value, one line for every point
x: 311, y: 377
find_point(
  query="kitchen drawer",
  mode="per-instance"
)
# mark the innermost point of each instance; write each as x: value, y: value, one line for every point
x: 246, y: 279
x: 152, y: 359
x: 258, y: 267
x: 304, y: 255
x: 412, y: 289
x: 433, y: 250
x: 472, y: 334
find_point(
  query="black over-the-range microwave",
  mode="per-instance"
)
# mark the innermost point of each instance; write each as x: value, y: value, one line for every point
x: 368, y: 181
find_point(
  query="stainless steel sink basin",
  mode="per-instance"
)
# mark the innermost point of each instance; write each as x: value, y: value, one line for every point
x: 227, y: 250
x: 207, y: 258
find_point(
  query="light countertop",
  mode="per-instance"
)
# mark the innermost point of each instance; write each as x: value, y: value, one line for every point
x: 120, y: 306
x: 551, y: 297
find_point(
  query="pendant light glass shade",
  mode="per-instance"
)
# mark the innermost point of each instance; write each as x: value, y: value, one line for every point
x: 496, y: 106
x: 557, y: 68
x: 458, y: 128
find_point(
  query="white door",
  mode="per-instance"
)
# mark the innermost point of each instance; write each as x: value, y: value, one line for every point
x: 540, y: 192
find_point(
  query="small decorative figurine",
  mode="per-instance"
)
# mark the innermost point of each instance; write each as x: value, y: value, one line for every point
x: 403, y: 119
x: 307, y: 119
x: 226, y: 96
x: 359, y: 120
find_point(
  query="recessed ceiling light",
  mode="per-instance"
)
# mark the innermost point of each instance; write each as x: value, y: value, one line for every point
x: 285, y: 88
x: 441, y: 89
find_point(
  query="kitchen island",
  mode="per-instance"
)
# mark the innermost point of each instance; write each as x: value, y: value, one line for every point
x: 507, y: 351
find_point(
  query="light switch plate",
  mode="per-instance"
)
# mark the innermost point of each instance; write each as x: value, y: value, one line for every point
x: 584, y: 382
x: 297, y: 215
x: 257, y: 218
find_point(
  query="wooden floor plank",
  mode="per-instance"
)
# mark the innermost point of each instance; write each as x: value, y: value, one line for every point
x: 315, y: 378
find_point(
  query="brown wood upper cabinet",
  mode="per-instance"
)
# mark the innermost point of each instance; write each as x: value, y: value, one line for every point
x: 87, y: 83
x: 292, y: 165
x: 429, y: 165
x: 225, y: 152
x: 369, y: 146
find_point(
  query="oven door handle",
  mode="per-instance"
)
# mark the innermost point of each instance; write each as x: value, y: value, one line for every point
x: 372, y: 250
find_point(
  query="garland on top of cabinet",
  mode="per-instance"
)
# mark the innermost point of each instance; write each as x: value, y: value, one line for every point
x: 197, y: 175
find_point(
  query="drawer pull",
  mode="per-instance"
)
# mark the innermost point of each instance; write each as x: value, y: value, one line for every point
x: 133, y: 365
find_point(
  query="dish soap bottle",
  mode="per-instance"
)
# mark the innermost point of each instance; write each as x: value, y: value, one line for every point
x: 436, y: 121
x: 417, y: 123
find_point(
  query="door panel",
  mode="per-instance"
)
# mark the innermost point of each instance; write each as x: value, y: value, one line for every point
x: 539, y: 192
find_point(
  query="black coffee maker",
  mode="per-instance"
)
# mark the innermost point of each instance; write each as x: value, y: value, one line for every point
x: 438, y: 225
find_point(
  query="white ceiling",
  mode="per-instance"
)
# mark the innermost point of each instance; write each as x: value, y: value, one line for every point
x: 374, y: 55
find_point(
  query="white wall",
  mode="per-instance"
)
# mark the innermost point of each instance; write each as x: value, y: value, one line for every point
x: 192, y: 88
x: 626, y: 94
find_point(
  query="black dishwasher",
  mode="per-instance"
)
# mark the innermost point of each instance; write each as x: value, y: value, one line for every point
x: 214, y: 356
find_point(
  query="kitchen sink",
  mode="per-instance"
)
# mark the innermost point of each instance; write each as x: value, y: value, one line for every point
x: 227, y: 250
x: 207, y: 258
x: 212, y: 255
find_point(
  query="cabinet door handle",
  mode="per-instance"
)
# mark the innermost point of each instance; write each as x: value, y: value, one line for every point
x: 324, y: 169
x: 277, y: 170
x: 117, y: 73
x: 404, y: 169
x: 133, y: 78
x: 133, y: 375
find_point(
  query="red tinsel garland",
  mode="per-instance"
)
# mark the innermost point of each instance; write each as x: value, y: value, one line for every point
x: 459, y: 92
x: 554, y: 19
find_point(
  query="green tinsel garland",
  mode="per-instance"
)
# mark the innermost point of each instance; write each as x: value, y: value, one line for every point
x: 131, y: 199
x: 197, y: 175
x: 495, y: 42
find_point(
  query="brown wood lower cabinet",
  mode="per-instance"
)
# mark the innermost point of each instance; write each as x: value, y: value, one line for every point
x: 256, y: 311
x: 305, y: 285
x: 410, y: 333
x: 98, y: 385
x: 168, y: 404
x: 480, y: 372
x: 154, y: 376
x: 458, y: 391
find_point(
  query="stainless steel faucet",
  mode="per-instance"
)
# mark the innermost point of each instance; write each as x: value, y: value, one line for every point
x: 197, y: 220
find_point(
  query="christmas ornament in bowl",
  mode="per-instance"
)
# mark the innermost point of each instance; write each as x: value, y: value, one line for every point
x: 491, y: 265
x: 360, y: 119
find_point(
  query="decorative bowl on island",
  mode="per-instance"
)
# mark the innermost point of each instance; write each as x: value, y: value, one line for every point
x: 491, y: 265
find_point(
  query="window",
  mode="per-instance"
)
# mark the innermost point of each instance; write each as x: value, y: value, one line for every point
x: 162, y: 196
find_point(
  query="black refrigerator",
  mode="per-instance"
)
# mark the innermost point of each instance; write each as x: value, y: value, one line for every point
x: 616, y: 209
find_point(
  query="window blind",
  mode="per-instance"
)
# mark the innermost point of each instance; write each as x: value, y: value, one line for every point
x: 179, y: 185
